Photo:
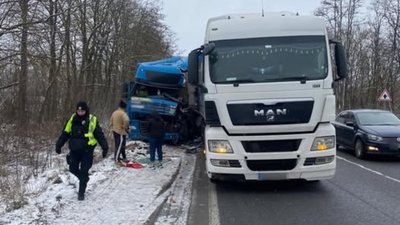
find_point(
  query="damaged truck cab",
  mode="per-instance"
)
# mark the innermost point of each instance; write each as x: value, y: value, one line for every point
x: 160, y: 86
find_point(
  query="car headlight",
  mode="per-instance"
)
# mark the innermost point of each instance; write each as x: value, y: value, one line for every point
x: 372, y: 137
x: 323, y: 143
x: 219, y: 146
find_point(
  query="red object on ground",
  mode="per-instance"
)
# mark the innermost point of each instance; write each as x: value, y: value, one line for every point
x: 134, y: 165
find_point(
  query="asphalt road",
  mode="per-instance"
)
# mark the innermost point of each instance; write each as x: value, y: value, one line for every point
x: 362, y: 192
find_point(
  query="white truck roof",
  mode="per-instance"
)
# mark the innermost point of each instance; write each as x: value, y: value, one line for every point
x: 240, y: 26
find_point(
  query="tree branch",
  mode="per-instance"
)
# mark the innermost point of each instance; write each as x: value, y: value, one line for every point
x: 9, y: 85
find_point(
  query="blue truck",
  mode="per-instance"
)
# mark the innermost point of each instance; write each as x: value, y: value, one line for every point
x: 161, y: 86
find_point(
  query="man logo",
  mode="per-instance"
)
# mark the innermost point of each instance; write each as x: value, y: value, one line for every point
x: 270, y: 112
x: 270, y: 118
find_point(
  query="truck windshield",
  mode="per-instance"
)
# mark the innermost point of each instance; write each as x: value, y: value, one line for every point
x: 270, y: 59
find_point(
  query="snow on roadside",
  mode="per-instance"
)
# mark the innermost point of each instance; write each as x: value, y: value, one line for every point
x: 115, y: 195
x: 176, y: 208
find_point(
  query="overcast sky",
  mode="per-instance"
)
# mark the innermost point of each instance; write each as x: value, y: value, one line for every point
x: 188, y: 18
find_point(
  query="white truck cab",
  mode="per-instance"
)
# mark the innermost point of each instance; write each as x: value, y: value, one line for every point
x: 265, y: 86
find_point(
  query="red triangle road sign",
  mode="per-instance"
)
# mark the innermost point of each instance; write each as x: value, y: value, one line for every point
x: 385, y: 96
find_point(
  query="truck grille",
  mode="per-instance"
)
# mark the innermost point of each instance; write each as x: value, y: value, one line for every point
x: 271, y: 146
x: 271, y: 165
x: 295, y: 112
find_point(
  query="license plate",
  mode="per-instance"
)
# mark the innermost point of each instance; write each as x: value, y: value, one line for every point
x: 262, y: 176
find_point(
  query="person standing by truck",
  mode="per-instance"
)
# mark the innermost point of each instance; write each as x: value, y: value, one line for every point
x: 156, y: 134
x: 119, y: 123
x: 83, y: 131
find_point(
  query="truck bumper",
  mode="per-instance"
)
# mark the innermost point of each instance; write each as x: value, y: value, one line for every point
x: 295, y: 164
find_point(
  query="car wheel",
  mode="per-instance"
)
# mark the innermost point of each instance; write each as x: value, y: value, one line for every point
x: 359, y: 149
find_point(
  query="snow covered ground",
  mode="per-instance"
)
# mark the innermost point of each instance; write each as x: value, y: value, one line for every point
x: 115, y: 194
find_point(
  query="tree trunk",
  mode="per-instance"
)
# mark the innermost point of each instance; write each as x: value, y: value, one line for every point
x: 23, y: 75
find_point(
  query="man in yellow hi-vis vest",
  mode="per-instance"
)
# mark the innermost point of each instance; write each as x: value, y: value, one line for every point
x: 83, y: 132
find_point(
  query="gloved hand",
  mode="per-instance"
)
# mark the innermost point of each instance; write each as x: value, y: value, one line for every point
x: 104, y: 154
x: 58, y: 150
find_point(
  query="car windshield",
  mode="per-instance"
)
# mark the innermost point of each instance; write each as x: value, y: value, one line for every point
x: 378, y: 118
x: 273, y: 59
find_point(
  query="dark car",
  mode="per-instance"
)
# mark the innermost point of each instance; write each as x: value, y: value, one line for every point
x: 368, y: 131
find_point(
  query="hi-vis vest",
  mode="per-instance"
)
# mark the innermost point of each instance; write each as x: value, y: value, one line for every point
x: 92, y: 125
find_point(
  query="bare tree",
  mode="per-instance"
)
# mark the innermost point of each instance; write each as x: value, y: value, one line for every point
x: 344, y: 23
x: 23, y: 75
x: 393, y: 19
x: 53, y: 53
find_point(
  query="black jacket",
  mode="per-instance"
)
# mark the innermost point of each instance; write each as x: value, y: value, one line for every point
x: 156, y: 127
x: 77, y: 139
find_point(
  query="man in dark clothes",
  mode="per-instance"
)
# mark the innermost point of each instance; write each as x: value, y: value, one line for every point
x: 83, y: 132
x: 156, y: 134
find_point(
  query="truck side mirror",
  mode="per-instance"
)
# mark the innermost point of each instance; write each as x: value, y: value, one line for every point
x: 208, y: 48
x: 340, y: 59
x: 193, y: 67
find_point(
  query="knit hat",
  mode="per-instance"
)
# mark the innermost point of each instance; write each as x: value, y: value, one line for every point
x: 82, y: 105
x: 122, y: 104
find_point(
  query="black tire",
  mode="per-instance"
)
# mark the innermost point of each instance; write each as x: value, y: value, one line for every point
x: 359, y: 149
x: 214, y: 179
x: 184, y: 132
x: 313, y: 181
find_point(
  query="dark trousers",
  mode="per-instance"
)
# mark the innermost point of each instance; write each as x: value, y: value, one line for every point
x: 120, y: 142
x: 80, y: 163
x: 156, y: 145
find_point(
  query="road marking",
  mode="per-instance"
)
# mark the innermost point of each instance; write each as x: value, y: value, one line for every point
x: 370, y: 170
x: 213, y: 210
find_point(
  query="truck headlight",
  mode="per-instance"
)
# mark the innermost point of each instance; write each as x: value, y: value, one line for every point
x: 219, y: 146
x: 323, y: 143
x: 374, y: 137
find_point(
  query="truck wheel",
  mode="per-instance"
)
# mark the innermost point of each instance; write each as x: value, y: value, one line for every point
x: 313, y: 181
x: 359, y: 149
x: 214, y: 179
x: 184, y: 133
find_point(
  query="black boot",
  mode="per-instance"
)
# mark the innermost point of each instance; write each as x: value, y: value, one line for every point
x: 81, y: 193
x: 81, y: 196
